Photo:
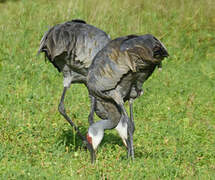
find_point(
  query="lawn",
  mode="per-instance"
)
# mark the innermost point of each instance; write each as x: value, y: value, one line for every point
x: 175, y: 118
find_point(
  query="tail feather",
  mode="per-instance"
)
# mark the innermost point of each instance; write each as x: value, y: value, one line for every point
x: 43, y: 41
x: 57, y: 40
x: 79, y: 21
x: 159, y: 50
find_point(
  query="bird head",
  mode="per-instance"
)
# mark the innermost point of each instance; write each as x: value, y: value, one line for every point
x: 94, y: 138
x: 91, y: 150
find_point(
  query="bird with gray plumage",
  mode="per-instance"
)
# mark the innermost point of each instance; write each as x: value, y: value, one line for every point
x: 115, y: 76
x: 71, y: 47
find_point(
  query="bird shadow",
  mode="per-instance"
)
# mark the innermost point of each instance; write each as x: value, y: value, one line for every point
x: 70, y: 139
x: 73, y: 142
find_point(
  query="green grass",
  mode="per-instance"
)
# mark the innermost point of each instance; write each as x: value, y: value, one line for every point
x: 175, y: 118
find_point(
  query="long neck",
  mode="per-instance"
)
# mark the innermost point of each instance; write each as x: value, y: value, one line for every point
x: 104, y: 124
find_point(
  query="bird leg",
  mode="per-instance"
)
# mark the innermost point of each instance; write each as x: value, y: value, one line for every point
x: 131, y: 115
x: 130, y: 132
x: 132, y: 129
x: 62, y: 111
x: 92, y: 109
x: 115, y: 95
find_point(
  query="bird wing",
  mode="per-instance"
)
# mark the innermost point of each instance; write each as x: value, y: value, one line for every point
x: 89, y: 42
x: 116, y: 60
x: 137, y: 48
x: 77, y: 41
x: 110, y: 72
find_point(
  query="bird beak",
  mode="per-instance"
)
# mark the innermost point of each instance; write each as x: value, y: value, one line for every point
x: 92, y: 152
x: 93, y: 156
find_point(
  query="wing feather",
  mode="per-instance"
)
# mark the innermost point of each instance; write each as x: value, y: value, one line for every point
x: 77, y: 40
x: 122, y: 56
x: 109, y: 66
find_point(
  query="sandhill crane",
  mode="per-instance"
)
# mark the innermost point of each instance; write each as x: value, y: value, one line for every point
x: 70, y: 47
x: 116, y: 75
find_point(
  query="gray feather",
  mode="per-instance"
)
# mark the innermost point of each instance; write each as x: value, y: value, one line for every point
x: 75, y: 42
x: 124, y: 55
